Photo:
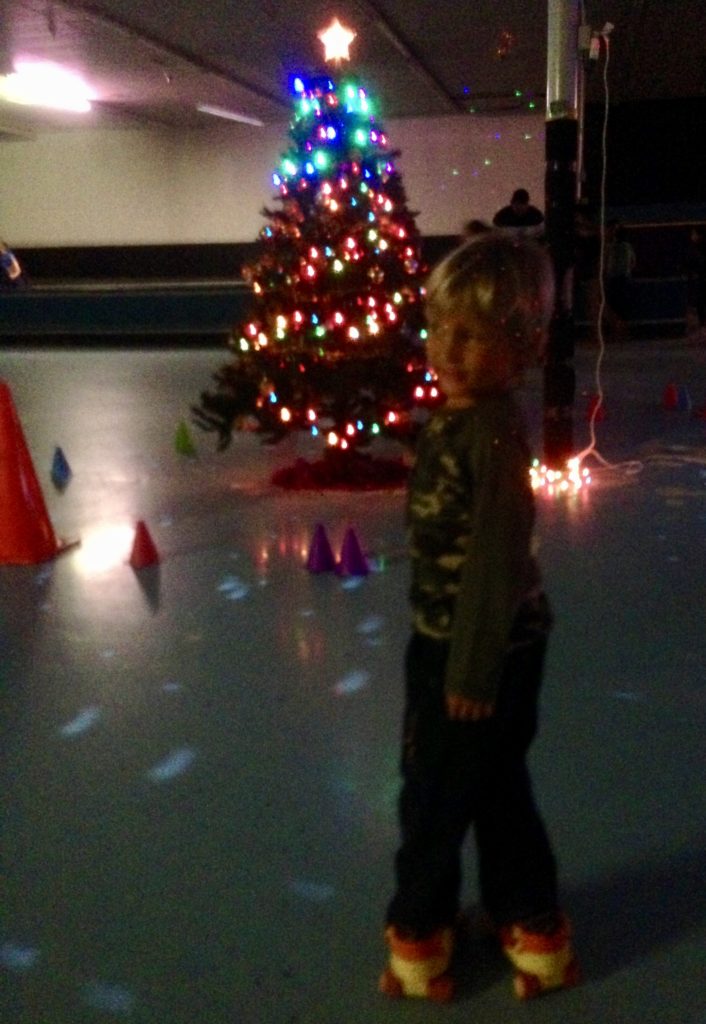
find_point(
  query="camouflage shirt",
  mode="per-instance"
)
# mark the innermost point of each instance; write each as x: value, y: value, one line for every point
x: 470, y: 519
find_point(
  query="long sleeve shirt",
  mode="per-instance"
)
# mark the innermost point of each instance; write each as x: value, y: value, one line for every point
x: 470, y: 521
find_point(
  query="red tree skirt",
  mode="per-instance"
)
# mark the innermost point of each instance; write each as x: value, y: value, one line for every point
x: 348, y: 470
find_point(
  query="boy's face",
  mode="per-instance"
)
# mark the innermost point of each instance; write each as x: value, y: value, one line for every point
x: 468, y: 367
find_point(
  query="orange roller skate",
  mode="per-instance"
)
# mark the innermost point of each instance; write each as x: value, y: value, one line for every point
x: 542, y: 962
x: 419, y: 967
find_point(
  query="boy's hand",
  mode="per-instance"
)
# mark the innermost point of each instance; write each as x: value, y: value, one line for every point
x: 464, y: 709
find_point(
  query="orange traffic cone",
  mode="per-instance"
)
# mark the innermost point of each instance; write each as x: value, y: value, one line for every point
x: 26, y: 533
x: 143, y: 552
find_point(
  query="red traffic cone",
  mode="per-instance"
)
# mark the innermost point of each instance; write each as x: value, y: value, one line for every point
x: 353, y: 562
x: 670, y: 397
x: 143, y: 552
x: 320, y: 557
x: 26, y: 533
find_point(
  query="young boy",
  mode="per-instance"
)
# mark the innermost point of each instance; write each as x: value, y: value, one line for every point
x: 480, y: 626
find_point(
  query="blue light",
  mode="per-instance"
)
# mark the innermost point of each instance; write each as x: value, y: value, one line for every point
x: 273, y: 397
x: 276, y: 180
x: 309, y: 167
x: 314, y: 431
x: 298, y: 85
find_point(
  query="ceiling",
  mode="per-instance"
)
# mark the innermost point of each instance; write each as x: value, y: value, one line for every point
x: 150, y: 62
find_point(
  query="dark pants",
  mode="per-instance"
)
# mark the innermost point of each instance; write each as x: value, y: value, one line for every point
x: 458, y: 774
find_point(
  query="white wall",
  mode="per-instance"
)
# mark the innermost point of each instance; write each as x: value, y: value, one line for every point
x: 139, y: 187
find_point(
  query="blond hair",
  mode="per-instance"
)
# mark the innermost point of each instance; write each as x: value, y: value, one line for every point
x: 501, y: 288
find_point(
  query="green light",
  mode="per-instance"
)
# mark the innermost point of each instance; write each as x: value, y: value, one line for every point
x: 289, y: 167
x: 531, y: 104
x: 337, y: 266
x: 320, y: 332
x: 375, y: 429
x: 360, y: 137
x: 321, y: 159
x: 518, y: 93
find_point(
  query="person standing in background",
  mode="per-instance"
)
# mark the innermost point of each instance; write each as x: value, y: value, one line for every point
x: 520, y: 217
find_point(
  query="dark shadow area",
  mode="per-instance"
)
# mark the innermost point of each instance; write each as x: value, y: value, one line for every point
x: 627, y: 917
x: 149, y: 580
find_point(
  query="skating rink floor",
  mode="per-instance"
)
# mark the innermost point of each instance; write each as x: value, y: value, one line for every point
x: 199, y: 760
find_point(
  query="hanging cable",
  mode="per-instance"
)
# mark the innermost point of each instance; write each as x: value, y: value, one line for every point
x: 630, y: 466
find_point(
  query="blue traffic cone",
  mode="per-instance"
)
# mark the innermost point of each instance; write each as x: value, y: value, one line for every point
x: 60, y: 470
x: 683, y: 398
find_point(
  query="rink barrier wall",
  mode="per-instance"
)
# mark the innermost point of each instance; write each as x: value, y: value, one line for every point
x: 195, y: 293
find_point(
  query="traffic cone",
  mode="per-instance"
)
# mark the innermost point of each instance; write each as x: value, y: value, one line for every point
x: 670, y: 397
x: 26, y: 533
x: 353, y: 562
x: 183, y: 441
x: 60, y: 470
x: 143, y: 552
x: 320, y: 558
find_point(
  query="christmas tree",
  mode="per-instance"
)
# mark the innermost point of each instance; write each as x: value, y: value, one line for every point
x: 334, y: 342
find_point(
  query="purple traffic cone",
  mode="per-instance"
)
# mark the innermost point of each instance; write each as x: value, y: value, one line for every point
x: 320, y: 557
x: 353, y: 562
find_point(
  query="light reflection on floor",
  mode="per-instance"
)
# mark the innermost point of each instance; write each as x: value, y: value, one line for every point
x: 103, y: 548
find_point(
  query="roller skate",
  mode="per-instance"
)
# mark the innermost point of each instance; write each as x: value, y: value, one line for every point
x: 543, y: 961
x: 419, y: 967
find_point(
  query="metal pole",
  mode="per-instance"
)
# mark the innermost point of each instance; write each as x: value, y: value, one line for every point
x: 560, y: 202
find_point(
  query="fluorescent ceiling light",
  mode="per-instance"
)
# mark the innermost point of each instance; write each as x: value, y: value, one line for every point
x: 37, y: 83
x: 229, y: 115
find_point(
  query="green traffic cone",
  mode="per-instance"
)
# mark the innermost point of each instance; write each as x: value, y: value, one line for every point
x: 182, y: 440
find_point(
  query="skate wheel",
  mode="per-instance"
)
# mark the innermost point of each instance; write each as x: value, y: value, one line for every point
x: 441, y: 989
x: 390, y: 984
x: 526, y: 986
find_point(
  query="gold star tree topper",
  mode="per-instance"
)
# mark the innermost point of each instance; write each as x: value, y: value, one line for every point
x: 336, y: 39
